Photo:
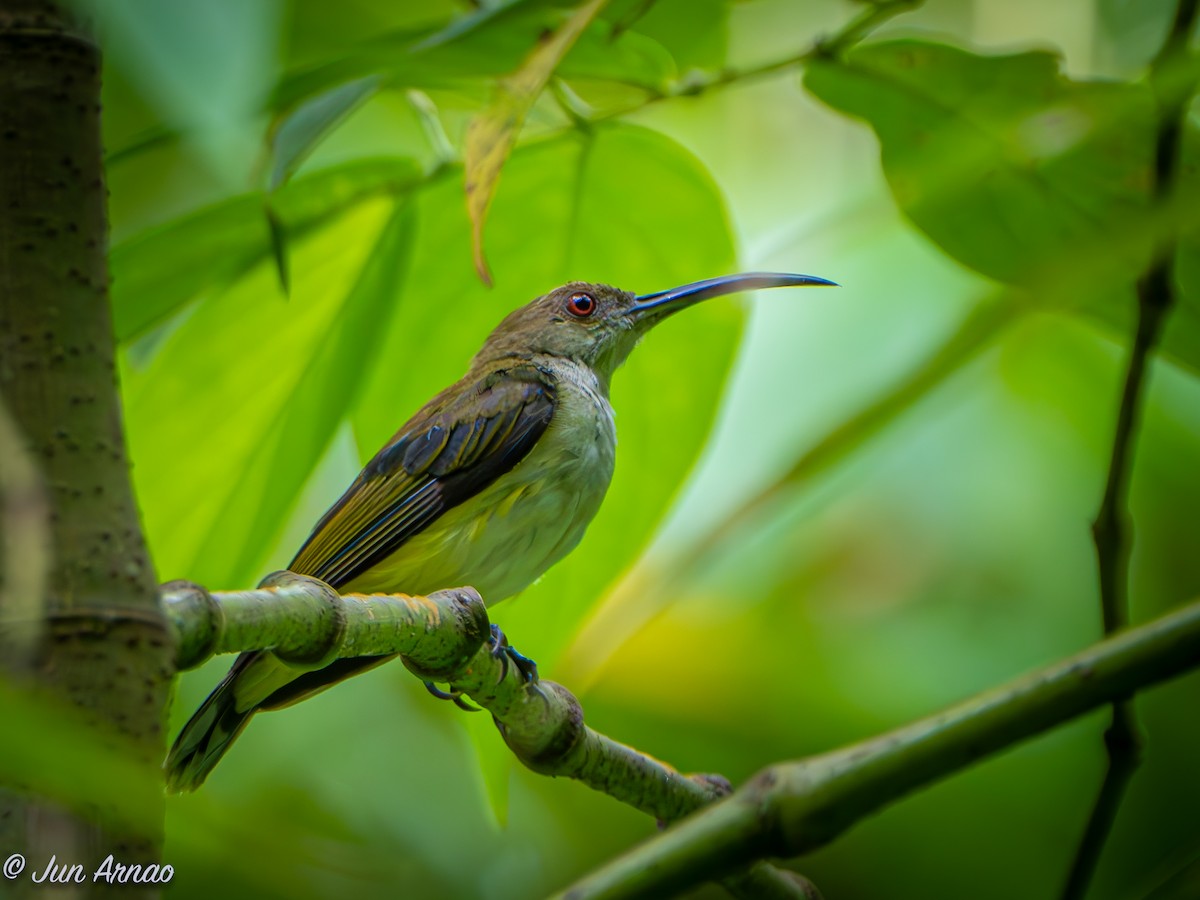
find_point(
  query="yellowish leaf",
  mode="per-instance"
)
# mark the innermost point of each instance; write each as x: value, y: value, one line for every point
x: 492, y: 133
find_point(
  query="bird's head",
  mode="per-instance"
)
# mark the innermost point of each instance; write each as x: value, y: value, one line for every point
x: 598, y: 325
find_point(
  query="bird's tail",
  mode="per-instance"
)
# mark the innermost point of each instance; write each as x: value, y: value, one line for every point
x: 258, y: 680
x: 219, y: 720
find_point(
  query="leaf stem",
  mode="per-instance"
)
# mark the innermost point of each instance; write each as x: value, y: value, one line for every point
x: 698, y: 82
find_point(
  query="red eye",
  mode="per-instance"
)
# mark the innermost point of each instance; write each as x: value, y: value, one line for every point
x: 581, y: 305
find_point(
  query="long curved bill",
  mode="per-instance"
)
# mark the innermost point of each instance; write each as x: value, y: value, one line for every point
x: 660, y: 304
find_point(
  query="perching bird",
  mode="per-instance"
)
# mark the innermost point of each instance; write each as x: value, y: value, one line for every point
x: 491, y: 483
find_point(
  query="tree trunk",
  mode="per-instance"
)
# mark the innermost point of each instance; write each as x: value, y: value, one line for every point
x: 94, y: 642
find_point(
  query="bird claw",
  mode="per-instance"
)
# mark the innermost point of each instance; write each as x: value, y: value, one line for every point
x: 454, y: 696
x: 506, y: 653
x: 503, y: 651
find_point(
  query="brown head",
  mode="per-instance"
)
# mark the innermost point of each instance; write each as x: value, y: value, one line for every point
x: 598, y: 325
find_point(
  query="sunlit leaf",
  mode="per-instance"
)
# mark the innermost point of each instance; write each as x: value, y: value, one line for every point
x: 276, y: 375
x: 261, y: 497
x: 157, y: 271
x: 627, y: 207
x: 492, y: 133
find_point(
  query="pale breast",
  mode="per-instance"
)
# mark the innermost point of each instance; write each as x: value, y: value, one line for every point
x: 505, y: 537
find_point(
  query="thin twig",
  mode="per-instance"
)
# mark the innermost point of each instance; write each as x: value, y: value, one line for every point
x: 697, y: 82
x: 1111, y: 532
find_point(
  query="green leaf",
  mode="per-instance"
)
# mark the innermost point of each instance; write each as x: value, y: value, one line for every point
x: 632, y: 59
x: 261, y: 498
x: 279, y: 247
x: 1012, y: 169
x: 1181, y: 332
x: 486, y: 43
x: 492, y: 133
x: 266, y: 381
x: 489, y: 18
x: 628, y: 207
x: 159, y: 270
x: 494, y: 47
x: 694, y: 32
x: 206, y: 68
x: 300, y: 132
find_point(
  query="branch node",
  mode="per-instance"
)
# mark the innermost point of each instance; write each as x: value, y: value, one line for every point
x: 717, y: 785
x: 1122, y: 740
x: 471, y: 629
x: 318, y: 645
x: 565, y: 731
x: 197, y: 619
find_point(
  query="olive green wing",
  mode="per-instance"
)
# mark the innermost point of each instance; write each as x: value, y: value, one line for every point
x: 454, y: 448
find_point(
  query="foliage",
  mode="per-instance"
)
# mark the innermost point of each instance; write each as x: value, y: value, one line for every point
x: 939, y: 547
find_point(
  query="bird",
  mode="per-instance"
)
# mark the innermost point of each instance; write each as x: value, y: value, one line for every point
x: 489, y: 484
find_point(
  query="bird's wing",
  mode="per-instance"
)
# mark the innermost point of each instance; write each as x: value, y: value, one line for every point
x: 455, y: 447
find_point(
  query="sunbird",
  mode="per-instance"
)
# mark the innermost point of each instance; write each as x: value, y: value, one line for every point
x: 491, y: 483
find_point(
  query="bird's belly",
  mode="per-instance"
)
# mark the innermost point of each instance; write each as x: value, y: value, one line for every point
x: 503, y: 539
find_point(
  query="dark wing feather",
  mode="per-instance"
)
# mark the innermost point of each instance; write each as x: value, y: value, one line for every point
x: 454, y: 448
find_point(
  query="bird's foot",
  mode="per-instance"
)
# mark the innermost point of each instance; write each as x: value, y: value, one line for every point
x: 455, y: 696
x: 506, y: 653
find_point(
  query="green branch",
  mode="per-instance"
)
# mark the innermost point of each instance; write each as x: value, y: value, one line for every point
x: 786, y: 810
x: 444, y: 637
x: 795, y: 807
x: 1110, y: 530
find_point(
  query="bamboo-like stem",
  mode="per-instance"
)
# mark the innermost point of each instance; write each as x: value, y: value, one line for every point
x: 93, y: 629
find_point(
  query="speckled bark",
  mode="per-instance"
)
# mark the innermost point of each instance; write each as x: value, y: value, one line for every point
x: 104, y: 646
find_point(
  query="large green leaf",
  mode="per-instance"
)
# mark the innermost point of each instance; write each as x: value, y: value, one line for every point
x: 157, y: 271
x: 237, y: 403
x: 1010, y: 167
x: 629, y: 207
x: 262, y: 495
x: 1020, y: 173
x: 626, y: 206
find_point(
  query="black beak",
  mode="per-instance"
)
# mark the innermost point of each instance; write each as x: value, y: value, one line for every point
x: 662, y: 303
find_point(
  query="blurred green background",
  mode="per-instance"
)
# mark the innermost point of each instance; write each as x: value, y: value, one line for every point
x: 931, y: 548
